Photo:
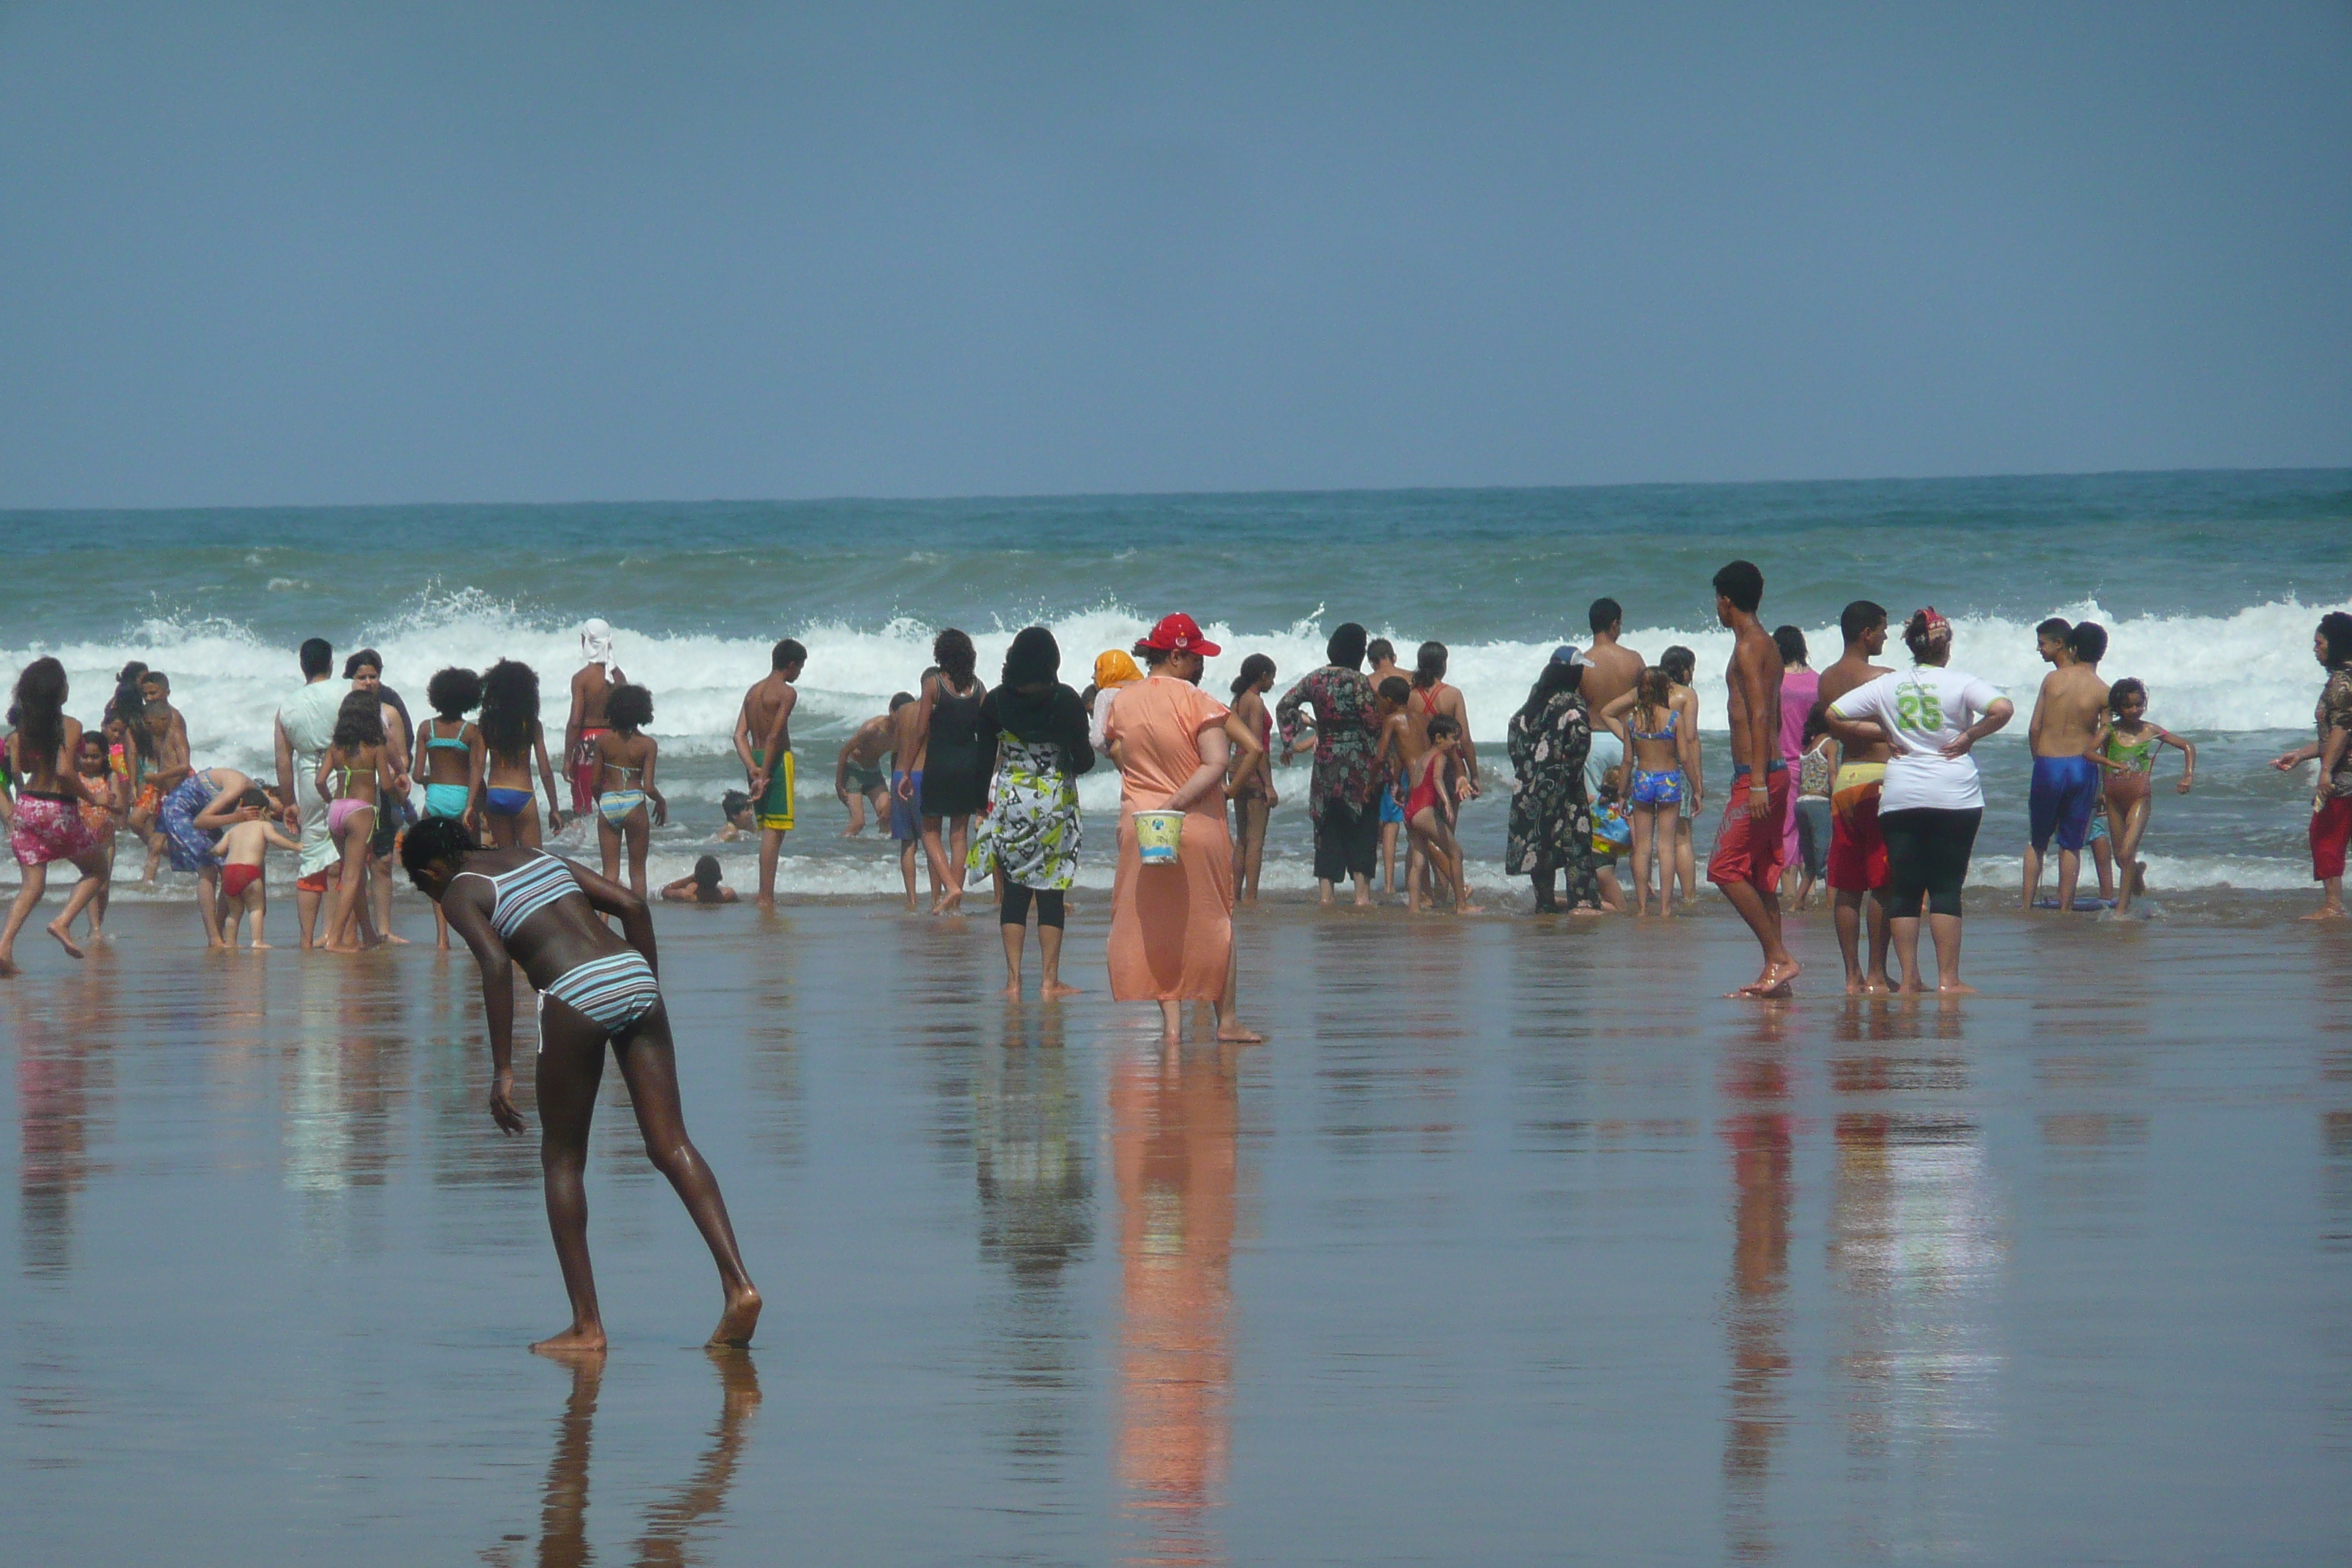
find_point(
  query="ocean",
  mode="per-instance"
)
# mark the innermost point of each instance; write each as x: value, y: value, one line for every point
x: 2209, y: 584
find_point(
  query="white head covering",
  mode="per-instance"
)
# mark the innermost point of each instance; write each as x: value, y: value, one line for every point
x: 596, y: 648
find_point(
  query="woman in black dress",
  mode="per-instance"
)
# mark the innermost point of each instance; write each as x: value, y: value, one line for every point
x: 1552, y: 821
x: 955, y: 779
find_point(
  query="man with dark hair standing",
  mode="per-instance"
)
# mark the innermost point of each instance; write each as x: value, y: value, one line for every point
x: 763, y: 741
x: 1746, y: 861
x: 305, y: 728
x: 1857, y: 863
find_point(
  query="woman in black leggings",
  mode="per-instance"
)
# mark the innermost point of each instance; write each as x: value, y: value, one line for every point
x: 1931, y: 805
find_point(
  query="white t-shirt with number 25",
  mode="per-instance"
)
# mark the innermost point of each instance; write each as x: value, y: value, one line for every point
x: 1925, y: 708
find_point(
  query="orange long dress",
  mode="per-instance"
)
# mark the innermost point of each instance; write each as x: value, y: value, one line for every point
x: 1171, y: 927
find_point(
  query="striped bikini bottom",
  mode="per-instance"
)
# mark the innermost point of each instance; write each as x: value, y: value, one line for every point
x: 613, y: 992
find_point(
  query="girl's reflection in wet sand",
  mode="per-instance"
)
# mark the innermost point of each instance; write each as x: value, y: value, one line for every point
x: 669, y: 1523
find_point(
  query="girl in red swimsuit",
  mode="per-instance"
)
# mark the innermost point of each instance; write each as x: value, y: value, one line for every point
x: 1429, y: 817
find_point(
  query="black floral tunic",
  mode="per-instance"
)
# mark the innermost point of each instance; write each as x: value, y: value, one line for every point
x: 1551, y: 820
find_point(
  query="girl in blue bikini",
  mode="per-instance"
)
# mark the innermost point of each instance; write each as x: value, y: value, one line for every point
x: 1658, y: 746
x: 511, y: 732
x: 451, y: 763
x: 625, y: 782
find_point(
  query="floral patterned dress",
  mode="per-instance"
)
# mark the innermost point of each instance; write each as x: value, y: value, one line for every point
x: 1030, y: 827
x: 1346, y: 736
x: 1551, y: 820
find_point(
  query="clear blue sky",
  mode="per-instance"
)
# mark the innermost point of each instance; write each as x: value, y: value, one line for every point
x: 330, y: 253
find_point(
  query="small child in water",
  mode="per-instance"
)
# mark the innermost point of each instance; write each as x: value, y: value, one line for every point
x: 1429, y: 817
x: 243, y: 846
x: 2125, y: 750
x: 702, y: 888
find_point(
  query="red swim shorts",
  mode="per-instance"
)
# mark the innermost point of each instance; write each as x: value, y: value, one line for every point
x: 317, y: 881
x: 1857, y: 853
x: 1746, y: 849
x: 2331, y: 829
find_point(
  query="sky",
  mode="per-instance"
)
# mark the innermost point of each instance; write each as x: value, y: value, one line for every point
x: 354, y: 253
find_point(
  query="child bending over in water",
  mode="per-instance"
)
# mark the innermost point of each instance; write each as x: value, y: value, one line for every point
x: 702, y: 888
x: 1429, y: 817
x: 243, y: 847
x: 2126, y: 750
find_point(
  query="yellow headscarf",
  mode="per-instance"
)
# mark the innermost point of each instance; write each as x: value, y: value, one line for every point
x: 1115, y: 669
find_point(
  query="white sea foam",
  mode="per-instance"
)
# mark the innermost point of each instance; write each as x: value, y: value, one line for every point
x: 2248, y: 670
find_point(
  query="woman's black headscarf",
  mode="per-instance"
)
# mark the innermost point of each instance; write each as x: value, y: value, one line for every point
x: 1047, y: 710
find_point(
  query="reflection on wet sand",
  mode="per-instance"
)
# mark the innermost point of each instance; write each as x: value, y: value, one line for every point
x: 1756, y: 1078
x: 1036, y: 1222
x: 64, y: 1079
x: 667, y: 1534
x: 1174, y: 1120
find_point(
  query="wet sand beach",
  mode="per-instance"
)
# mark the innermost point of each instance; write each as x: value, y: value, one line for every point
x: 1514, y: 1243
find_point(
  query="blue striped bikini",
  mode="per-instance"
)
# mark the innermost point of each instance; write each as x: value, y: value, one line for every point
x: 614, y: 990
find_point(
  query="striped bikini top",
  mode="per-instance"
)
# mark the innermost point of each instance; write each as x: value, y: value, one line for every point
x: 525, y: 890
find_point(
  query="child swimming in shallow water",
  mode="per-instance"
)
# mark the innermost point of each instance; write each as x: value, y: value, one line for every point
x: 702, y: 888
x: 2125, y: 750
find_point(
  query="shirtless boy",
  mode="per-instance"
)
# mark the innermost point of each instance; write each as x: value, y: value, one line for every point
x: 1746, y: 861
x: 1610, y: 670
x: 906, y: 790
x: 763, y: 741
x: 244, y: 845
x: 1381, y: 654
x: 1392, y: 758
x: 1857, y: 863
x: 859, y: 778
x: 592, y: 685
x: 2066, y: 717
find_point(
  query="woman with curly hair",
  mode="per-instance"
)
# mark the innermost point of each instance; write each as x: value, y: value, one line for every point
x: 514, y: 740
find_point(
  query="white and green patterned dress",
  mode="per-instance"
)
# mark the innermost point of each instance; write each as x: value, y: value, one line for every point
x: 1030, y: 830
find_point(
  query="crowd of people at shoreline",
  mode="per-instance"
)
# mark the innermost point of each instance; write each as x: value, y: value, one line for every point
x: 1605, y: 781
x: 1859, y: 775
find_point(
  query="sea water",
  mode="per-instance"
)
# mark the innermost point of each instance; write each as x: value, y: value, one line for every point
x: 2210, y: 584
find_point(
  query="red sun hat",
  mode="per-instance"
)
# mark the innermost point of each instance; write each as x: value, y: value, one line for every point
x: 1180, y: 632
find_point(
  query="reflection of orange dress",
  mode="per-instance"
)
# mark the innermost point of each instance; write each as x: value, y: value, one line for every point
x: 1171, y: 928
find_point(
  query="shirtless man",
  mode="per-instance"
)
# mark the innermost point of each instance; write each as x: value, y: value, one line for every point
x: 1610, y: 670
x: 764, y: 741
x: 858, y: 776
x: 592, y: 684
x: 2066, y: 716
x: 1746, y: 861
x: 1858, y: 861
x: 907, y: 746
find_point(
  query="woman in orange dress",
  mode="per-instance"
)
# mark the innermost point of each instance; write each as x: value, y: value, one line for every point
x: 1171, y: 928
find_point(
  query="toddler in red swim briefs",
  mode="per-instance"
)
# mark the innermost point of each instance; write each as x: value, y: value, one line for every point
x: 242, y: 846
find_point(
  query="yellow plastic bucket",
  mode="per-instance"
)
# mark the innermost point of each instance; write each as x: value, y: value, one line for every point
x: 1156, y: 834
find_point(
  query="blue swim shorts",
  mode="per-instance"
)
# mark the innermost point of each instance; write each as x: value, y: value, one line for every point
x: 2066, y: 789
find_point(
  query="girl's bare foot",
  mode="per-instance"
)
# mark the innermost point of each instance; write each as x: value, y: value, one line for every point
x: 1053, y: 991
x: 580, y: 1338
x: 1954, y: 988
x: 1012, y: 993
x: 258, y: 947
x: 395, y: 941
x: 8, y: 967
x: 736, y: 1323
x: 2327, y: 912
x: 1231, y: 1032
x: 57, y: 929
